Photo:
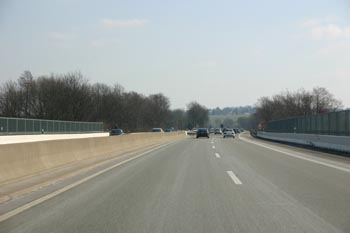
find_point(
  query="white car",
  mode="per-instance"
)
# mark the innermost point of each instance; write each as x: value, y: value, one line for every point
x: 192, y: 132
x: 229, y: 133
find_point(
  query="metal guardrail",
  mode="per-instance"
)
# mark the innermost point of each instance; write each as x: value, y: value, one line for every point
x: 333, y: 123
x: 37, y: 126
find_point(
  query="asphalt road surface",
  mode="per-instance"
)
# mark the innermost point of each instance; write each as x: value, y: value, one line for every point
x: 204, y: 185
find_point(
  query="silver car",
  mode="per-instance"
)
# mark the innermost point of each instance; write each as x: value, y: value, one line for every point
x: 229, y: 133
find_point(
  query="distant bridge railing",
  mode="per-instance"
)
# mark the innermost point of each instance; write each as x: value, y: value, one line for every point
x: 333, y: 123
x: 38, y: 126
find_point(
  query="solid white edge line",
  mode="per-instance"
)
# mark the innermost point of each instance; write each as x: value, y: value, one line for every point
x: 297, y: 156
x: 217, y: 155
x: 234, y: 177
x: 73, y: 185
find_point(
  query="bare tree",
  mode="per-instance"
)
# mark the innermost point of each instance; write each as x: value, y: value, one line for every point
x: 10, y: 102
x: 134, y: 110
x: 71, y: 97
x: 28, y: 98
x: 324, y: 101
x: 292, y: 104
x: 178, y: 119
x: 197, y: 115
x: 157, y: 110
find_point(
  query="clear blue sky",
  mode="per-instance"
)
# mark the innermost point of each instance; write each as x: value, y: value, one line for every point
x: 219, y: 53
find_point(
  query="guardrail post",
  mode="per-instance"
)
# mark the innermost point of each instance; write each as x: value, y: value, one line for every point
x: 329, y: 123
x: 337, y: 124
x: 347, y: 123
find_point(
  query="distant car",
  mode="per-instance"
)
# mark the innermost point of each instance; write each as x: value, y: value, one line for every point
x: 217, y: 131
x: 168, y: 130
x: 211, y: 130
x: 116, y: 132
x: 236, y: 130
x: 157, y: 130
x: 203, y: 132
x: 192, y: 132
x: 229, y: 133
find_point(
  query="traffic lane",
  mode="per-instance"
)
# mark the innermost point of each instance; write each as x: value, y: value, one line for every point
x: 323, y: 190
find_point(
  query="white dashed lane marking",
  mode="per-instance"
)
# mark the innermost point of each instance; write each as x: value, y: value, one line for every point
x: 234, y: 177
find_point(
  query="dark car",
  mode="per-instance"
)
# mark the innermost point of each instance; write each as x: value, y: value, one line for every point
x: 202, y: 132
x: 116, y: 132
x: 237, y: 131
x: 157, y: 130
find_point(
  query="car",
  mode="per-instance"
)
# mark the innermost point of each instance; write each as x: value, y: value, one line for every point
x: 116, y: 132
x: 217, y: 131
x: 157, y: 130
x: 229, y: 133
x: 169, y: 130
x: 202, y: 132
x: 192, y: 132
x: 236, y: 130
x: 211, y: 130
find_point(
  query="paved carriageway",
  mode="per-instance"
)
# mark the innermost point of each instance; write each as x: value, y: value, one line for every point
x: 203, y: 185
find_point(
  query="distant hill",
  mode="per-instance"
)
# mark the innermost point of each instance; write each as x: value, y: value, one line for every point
x: 241, y: 110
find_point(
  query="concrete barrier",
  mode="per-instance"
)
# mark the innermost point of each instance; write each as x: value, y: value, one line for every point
x: 339, y: 143
x: 27, y: 159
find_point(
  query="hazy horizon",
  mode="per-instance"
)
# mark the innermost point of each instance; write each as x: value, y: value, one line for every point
x: 220, y: 54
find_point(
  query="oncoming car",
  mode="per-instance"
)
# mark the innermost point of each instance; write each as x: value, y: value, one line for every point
x: 202, y: 132
x: 116, y: 132
x: 157, y: 130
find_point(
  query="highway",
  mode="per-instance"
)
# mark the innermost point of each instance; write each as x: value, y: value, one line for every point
x: 205, y: 186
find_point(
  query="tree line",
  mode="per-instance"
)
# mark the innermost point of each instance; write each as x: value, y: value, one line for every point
x: 71, y: 97
x: 232, y: 110
x: 293, y: 104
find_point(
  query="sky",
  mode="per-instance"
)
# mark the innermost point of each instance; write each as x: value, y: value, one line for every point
x: 219, y: 53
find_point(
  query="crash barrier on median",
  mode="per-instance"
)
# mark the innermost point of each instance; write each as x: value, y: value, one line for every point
x: 10, y: 126
x: 339, y: 143
x: 26, y: 159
